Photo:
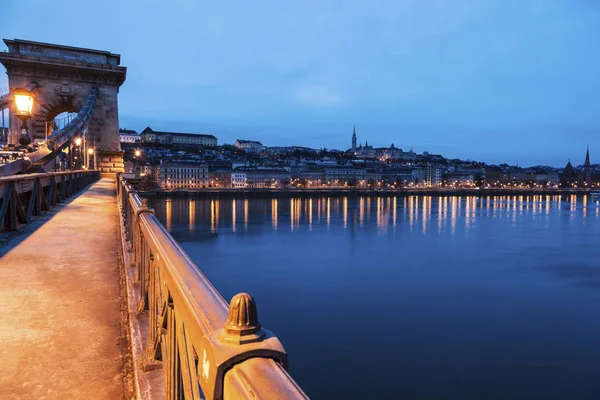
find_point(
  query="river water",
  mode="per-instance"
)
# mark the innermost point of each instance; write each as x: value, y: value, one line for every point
x: 415, y: 297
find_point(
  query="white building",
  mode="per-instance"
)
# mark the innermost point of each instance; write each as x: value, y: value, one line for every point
x: 129, y: 136
x: 432, y: 176
x: 182, y: 176
x: 238, y: 180
x: 249, y: 146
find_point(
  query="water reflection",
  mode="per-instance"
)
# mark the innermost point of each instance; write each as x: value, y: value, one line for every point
x: 387, y: 213
x: 450, y: 276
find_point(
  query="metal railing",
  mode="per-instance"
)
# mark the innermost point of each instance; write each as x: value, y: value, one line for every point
x: 204, y: 347
x: 23, y: 197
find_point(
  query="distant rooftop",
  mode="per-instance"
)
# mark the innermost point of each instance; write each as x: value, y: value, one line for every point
x: 128, y: 131
x: 242, y: 141
x: 163, y: 133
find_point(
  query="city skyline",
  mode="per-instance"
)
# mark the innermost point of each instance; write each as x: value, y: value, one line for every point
x: 503, y: 82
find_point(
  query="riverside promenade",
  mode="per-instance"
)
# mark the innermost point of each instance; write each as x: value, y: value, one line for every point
x: 61, y: 323
x: 358, y: 192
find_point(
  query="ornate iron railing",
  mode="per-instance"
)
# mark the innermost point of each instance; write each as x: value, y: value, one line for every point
x: 23, y: 197
x: 204, y: 347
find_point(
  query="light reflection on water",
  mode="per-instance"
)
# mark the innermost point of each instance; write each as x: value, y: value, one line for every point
x: 491, y: 297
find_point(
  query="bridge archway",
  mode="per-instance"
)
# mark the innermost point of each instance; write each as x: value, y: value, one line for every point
x: 63, y: 78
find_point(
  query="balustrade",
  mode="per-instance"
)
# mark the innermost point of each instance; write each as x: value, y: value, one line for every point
x: 204, y: 347
x: 23, y: 197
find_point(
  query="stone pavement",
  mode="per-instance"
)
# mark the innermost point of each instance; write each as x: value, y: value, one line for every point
x: 60, y: 329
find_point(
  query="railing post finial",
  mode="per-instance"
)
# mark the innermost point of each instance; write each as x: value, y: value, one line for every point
x: 242, y: 324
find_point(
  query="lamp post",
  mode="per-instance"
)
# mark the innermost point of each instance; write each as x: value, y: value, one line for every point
x: 90, y: 154
x: 77, y: 151
x: 24, y: 106
x: 136, y: 161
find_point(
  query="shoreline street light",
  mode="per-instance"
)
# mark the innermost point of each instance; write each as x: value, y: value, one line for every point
x: 24, y: 107
x: 138, y: 153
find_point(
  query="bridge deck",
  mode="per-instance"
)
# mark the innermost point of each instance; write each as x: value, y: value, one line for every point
x: 60, y: 334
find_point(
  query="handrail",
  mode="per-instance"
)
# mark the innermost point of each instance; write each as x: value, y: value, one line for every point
x: 204, y: 346
x: 29, y: 177
x: 23, y: 197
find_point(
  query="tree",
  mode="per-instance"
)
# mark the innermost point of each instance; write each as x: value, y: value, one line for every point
x: 148, y: 182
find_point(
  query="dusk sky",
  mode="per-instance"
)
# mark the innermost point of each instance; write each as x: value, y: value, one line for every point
x: 495, y: 81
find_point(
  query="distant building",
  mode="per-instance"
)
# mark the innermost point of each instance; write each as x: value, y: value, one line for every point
x: 432, y: 176
x: 569, y: 177
x: 387, y: 153
x: 365, y: 151
x: 460, y: 179
x: 238, y: 179
x: 495, y: 176
x: 149, y: 135
x: 383, y: 153
x: 129, y: 136
x: 182, y: 176
x: 546, y: 178
x: 250, y: 146
x: 397, y: 175
x: 264, y: 177
x: 219, y: 177
x: 340, y: 175
x: 315, y: 176
x: 128, y: 167
x: 418, y: 175
x: 587, y: 172
x: 373, y: 176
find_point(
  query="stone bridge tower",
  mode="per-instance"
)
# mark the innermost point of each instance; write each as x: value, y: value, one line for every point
x: 63, y: 77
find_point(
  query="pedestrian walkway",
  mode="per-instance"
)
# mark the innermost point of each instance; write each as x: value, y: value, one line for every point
x: 60, y: 331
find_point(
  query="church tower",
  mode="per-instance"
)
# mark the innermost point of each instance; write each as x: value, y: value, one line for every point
x: 587, y: 169
x: 354, y: 140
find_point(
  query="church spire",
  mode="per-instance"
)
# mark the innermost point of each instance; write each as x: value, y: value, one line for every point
x: 587, y: 169
x: 587, y: 157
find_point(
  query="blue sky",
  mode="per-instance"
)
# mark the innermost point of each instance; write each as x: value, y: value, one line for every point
x: 514, y: 81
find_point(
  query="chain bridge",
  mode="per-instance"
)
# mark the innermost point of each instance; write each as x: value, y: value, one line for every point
x: 99, y: 300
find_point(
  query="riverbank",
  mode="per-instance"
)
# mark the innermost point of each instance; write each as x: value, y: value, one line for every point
x: 356, y: 192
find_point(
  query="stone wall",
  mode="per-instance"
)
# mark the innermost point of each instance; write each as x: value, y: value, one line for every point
x: 64, y: 81
x: 110, y: 162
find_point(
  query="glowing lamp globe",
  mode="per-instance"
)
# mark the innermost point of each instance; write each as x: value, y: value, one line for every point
x: 23, y: 103
x: 90, y: 151
x: 77, y: 141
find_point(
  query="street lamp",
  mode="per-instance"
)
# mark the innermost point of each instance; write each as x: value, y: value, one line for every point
x: 90, y: 154
x: 138, y: 153
x: 78, y: 141
x: 24, y: 107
